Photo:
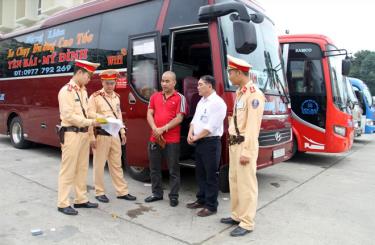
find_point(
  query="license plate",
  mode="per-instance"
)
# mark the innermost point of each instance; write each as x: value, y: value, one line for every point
x: 279, y: 153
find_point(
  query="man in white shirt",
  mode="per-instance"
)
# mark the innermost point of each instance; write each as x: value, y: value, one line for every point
x: 205, y: 131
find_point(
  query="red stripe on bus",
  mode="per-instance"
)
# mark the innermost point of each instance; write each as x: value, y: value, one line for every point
x: 163, y: 14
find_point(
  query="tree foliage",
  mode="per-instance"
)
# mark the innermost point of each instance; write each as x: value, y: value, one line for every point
x: 363, y: 67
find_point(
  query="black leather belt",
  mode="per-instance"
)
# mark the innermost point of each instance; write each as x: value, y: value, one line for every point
x: 236, y: 139
x: 208, y: 139
x: 76, y: 129
x: 100, y: 131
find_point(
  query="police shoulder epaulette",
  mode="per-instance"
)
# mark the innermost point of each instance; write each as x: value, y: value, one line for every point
x: 117, y: 94
x: 252, y: 89
x: 97, y: 93
x: 69, y: 87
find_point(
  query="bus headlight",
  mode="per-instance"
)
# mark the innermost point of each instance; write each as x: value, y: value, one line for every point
x: 340, y: 130
x: 369, y: 122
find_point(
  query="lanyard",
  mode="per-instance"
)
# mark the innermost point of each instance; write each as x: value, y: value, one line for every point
x: 110, y: 107
x: 80, y: 102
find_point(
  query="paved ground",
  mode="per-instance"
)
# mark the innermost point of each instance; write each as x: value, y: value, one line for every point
x: 314, y: 199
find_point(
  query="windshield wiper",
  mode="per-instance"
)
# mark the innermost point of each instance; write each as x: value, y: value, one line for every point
x: 273, y: 76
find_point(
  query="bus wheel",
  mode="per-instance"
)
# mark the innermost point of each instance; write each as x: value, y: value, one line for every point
x: 139, y: 173
x: 16, y: 134
x: 295, y: 147
x: 223, y: 179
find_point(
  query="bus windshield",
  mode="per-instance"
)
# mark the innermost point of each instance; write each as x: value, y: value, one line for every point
x: 267, y: 68
x: 368, y: 97
x: 337, y: 79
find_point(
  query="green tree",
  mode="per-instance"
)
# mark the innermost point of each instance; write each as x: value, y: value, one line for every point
x: 363, y: 67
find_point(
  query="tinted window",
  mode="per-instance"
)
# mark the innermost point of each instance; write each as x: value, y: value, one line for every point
x: 305, y: 51
x: 51, y: 50
x: 305, y: 76
x: 267, y: 70
x: 182, y: 12
x: 306, y: 83
x: 337, y: 80
x: 118, y: 25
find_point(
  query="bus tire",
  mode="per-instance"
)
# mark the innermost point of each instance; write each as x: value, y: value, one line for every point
x: 16, y: 134
x: 295, y: 147
x: 139, y: 173
x: 224, y: 179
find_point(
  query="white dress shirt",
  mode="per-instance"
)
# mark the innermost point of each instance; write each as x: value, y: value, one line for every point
x: 210, y: 114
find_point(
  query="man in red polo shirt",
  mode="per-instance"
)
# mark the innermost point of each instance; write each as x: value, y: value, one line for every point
x: 166, y: 111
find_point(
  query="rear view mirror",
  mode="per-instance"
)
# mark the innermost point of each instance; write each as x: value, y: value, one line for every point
x: 345, y: 67
x: 245, y: 38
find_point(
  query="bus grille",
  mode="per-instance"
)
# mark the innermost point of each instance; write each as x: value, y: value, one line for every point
x: 271, y: 138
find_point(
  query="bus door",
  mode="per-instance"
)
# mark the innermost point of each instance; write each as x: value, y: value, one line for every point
x: 190, y: 58
x: 308, y: 94
x: 143, y: 75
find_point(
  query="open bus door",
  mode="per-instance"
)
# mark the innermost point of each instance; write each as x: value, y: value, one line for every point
x: 143, y: 74
x: 190, y: 58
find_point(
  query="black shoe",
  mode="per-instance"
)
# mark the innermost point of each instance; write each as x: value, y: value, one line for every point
x: 86, y: 205
x: 68, y: 210
x: 239, y: 231
x: 173, y: 202
x: 229, y: 221
x: 102, y: 198
x: 153, y: 198
x: 127, y: 197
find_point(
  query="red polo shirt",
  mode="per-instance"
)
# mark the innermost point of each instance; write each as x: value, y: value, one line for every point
x: 166, y: 109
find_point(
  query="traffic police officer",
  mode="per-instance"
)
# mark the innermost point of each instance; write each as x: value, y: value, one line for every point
x: 243, y: 131
x: 105, y: 103
x: 74, y: 138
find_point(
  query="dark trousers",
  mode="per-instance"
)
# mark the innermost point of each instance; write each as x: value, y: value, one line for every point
x: 207, y: 155
x: 171, y: 153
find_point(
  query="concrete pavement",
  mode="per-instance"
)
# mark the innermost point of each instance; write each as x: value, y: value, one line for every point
x: 314, y: 199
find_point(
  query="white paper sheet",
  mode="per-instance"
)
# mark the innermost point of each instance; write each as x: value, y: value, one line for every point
x: 113, y: 126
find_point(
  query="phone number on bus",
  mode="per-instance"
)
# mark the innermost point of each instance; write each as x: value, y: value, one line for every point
x: 42, y: 70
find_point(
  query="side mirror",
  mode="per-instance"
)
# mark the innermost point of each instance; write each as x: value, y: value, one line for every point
x: 345, y: 67
x: 245, y: 38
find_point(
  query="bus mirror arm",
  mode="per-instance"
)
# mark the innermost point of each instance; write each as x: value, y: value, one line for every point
x: 211, y: 12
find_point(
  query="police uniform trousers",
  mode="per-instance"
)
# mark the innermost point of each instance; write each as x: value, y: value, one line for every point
x: 108, y: 148
x: 243, y: 186
x: 73, y: 169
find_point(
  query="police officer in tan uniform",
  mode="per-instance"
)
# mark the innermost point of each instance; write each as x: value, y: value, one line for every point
x: 243, y: 129
x: 105, y: 103
x: 74, y: 138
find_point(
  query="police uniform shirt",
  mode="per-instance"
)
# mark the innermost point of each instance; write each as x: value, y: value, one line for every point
x: 99, y: 108
x: 249, y: 105
x: 209, y: 115
x: 70, y: 97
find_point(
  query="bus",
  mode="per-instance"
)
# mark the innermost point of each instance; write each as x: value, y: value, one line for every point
x: 367, y: 102
x: 141, y: 39
x: 315, y: 71
x: 357, y: 110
